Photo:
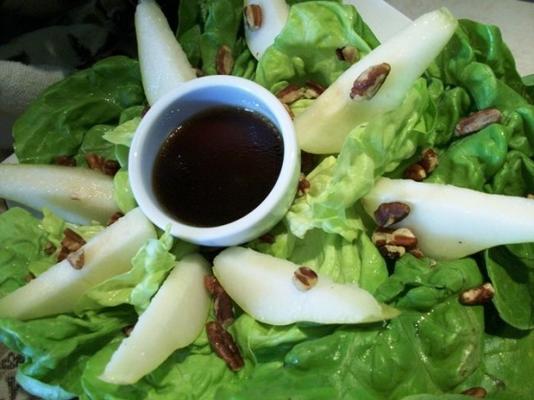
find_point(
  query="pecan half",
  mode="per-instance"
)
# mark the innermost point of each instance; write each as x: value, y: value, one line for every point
x: 290, y: 94
x: 267, y: 238
x: 477, y: 392
x: 71, y: 242
x: 67, y: 161
x: 415, y: 172
x: 348, y: 53
x: 76, y: 259
x: 253, y: 16
x: 224, y: 61
x: 390, y: 213
x: 114, y: 218
x: 315, y: 87
x: 392, y: 252
x: 224, y: 308
x: 110, y: 167
x: 304, y: 278
x: 477, y: 121
x: 429, y: 160
x: 224, y: 346
x: 303, y: 185
x: 367, y: 85
x: 477, y: 296
x: 401, y: 237
x: 96, y: 162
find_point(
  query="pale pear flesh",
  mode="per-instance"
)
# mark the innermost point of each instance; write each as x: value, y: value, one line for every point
x: 164, y: 65
x: 174, y: 319
x: 58, y: 289
x: 323, y: 127
x: 452, y: 222
x: 274, y: 18
x: 78, y: 195
x: 262, y: 285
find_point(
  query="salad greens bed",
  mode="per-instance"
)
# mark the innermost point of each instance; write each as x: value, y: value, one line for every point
x: 436, y: 348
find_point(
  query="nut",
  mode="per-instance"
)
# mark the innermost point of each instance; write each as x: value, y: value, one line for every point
x: 224, y: 61
x: 303, y: 185
x: 267, y: 238
x: 390, y: 213
x: 224, y: 346
x: 312, y: 90
x: 253, y: 16
x: 477, y: 296
x: 367, y: 85
x: 392, y: 252
x: 96, y: 162
x: 114, y: 218
x: 415, y: 172
x: 290, y: 94
x: 110, y: 167
x: 76, y: 259
x: 224, y: 308
x: 477, y: 121
x: 71, y: 242
x: 403, y: 237
x: 67, y: 161
x: 348, y: 53
x: 394, y: 238
x: 304, y: 278
x: 429, y: 160
x: 477, y: 392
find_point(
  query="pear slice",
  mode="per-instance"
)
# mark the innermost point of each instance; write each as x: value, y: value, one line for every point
x: 452, y: 222
x: 58, y: 289
x: 264, y: 287
x: 78, y: 195
x: 173, y: 320
x: 274, y: 15
x: 323, y: 127
x: 164, y: 65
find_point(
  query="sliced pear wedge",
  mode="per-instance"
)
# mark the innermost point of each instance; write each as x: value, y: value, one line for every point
x: 78, y: 195
x: 323, y: 127
x: 452, y: 222
x: 264, y: 287
x: 58, y: 289
x: 164, y: 65
x: 264, y: 20
x: 174, y: 319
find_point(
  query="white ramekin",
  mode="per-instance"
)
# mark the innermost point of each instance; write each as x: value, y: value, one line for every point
x: 186, y: 100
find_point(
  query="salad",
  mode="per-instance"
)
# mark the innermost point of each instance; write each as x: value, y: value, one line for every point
x: 449, y: 327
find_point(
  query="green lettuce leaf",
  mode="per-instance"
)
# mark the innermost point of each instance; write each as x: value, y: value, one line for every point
x: 323, y: 26
x: 369, y: 151
x: 60, y: 119
x: 137, y: 286
x: 123, y: 133
x: 22, y: 241
x: 122, y: 192
x: 56, y: 349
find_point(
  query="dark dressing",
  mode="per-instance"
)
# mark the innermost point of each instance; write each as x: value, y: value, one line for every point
x: 217, y: 166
